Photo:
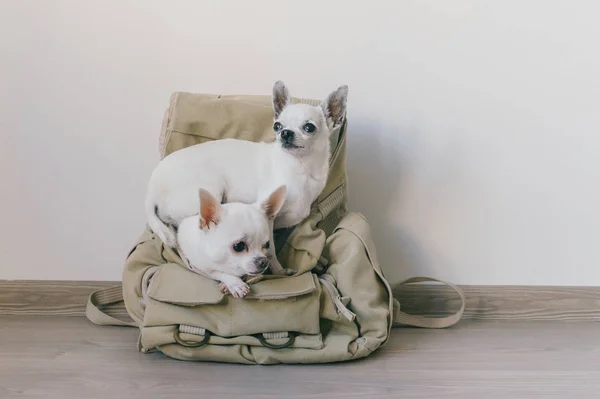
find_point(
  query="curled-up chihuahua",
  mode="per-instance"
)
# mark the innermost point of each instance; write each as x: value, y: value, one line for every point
x: 244, y: 172
x: 228, y: 241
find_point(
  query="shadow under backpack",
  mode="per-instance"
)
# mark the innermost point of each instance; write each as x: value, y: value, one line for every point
x: 337, y: 307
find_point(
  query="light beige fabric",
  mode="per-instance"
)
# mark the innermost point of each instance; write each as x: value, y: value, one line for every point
x: 338, y: 307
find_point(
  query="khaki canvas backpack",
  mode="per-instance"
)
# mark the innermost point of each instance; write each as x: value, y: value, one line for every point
x: 337, y: 307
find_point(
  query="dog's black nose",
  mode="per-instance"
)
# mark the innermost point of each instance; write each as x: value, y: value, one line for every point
x: 261, y: 263
x: 287, y: 135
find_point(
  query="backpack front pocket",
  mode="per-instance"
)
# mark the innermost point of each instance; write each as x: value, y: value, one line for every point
x: 193, y: 310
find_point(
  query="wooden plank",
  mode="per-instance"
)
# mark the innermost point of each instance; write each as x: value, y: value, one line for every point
x: 59, y: 298
x: 68, y: 357
x: 504, y: 302
x: 68, y: 298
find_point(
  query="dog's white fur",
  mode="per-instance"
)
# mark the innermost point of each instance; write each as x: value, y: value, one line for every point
x: 244, y: 171
x: 209, y: 240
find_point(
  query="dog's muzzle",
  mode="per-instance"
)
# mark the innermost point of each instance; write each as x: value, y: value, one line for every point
x: 260, y: 265
x: 287, y: 136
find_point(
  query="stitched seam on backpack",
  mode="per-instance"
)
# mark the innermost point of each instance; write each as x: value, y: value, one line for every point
x: 165, y: 127
x: 291, y: 295
x: 365, y: 346
x: 194, y: 134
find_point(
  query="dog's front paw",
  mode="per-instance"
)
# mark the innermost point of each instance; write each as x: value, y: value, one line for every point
x: 290, y: 272
x: 223, y: 288
x: 237, y: 289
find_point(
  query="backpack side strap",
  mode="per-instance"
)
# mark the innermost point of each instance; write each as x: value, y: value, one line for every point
x: 101, y: 298
x: 401, y: 318
x: 108, y: 296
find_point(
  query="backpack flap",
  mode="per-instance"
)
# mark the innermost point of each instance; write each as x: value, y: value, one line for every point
x: 178, y: 297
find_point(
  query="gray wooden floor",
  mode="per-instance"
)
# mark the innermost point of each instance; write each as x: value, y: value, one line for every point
x: 67, y: 357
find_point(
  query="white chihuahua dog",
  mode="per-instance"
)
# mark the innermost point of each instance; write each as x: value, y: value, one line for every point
x: 228, y: 241
x: 244, y: 171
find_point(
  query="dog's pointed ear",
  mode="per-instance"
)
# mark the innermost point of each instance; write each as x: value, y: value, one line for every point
x: 272, y: 205
x: 210, y: 210
x: 334, y: 106
x: 281, y: 98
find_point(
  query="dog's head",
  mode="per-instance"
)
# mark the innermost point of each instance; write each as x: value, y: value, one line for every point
x: 232, y: 237
x: 302, y: 127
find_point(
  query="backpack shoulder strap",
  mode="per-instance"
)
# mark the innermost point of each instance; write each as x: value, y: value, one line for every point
x: 101, y: 298
x: 401, y: 318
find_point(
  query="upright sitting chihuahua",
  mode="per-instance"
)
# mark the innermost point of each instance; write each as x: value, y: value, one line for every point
x: 244, y: 171
x: 228, y: 241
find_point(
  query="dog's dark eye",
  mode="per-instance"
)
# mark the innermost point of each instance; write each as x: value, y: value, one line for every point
x: 267, y: 245
x: 277, y: 126
x: 309, y: 127
x: 239, y: 246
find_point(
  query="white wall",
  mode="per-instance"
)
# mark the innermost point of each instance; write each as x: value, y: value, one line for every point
x: 474, y: 126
